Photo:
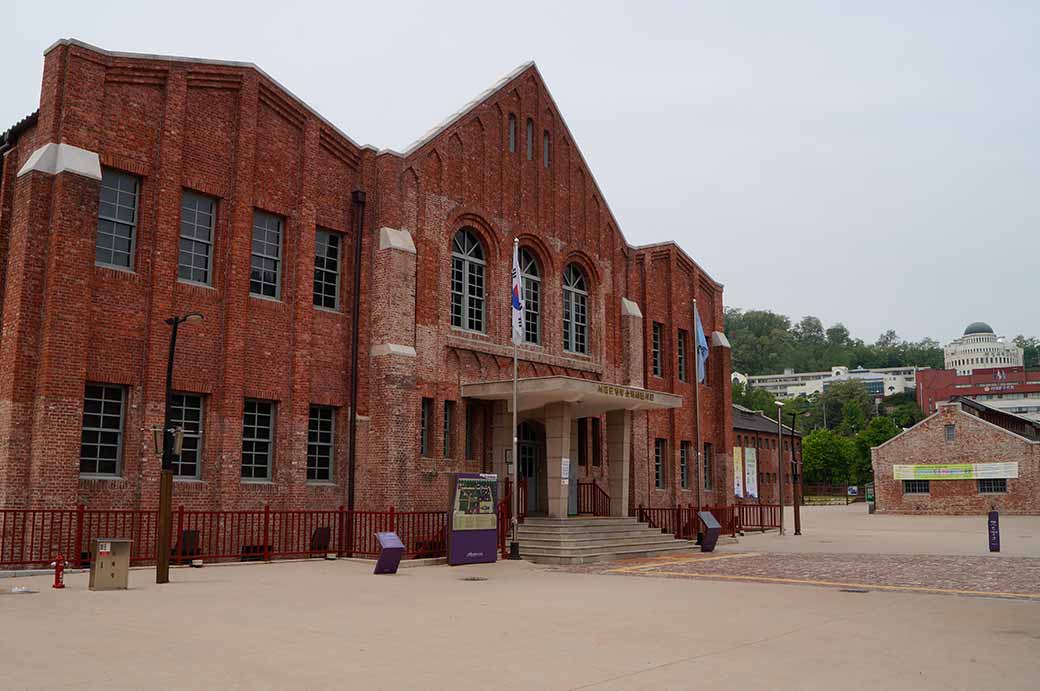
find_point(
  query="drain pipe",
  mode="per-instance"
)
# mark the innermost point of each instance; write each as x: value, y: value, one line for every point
x: 358, y: 202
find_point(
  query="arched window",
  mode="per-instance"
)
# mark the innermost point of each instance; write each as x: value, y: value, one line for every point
x: 575, y: 311
x: 512, y: 133
x: 530, y: 139
x: 531, y: 280
x: 467, y: 281
x: 545, y: 148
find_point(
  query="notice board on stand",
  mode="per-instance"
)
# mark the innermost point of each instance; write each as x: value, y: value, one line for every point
x: 473, y: 519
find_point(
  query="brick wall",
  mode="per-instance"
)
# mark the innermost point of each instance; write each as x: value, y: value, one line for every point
x: 230, y: 133
x: 975, y: 441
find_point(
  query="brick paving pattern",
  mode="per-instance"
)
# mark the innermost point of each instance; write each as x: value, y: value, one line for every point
x: 955, y: 574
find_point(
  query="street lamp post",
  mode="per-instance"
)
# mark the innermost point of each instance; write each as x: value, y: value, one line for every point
x: 796, y: 481
x: 162, y: 559
x: 779, y: 461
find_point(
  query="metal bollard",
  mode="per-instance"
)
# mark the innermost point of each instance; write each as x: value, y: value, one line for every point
x: 59, y: 572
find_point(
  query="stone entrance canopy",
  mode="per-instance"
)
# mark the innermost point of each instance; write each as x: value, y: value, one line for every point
x: 584, y: 397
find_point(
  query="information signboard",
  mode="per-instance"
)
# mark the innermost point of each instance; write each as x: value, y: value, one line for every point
x: 738, y: 472
x: 750, y: 472
x: 473, y: 519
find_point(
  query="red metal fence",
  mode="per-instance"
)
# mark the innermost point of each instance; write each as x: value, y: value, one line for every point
x: 758, y: 516
x: 35, y: 537
x: 683, y: 522
x: 593, y: 499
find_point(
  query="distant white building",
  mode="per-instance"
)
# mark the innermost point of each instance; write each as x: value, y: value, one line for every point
x: 883, y: 381
x: 980, y: 348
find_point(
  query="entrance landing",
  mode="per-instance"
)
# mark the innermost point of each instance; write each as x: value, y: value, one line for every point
x: 585, y: 540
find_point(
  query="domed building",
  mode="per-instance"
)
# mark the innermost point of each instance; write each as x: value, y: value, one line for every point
x: 980, y: 348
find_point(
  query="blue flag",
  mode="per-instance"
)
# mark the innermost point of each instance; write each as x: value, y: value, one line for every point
x: 702, y: 346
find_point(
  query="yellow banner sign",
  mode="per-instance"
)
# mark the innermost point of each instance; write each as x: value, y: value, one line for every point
x: 956, y: 471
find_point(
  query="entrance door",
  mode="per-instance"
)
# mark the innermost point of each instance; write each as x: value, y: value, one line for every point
x: 530, y: 450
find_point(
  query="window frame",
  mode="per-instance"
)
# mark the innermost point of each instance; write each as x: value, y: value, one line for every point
x: 597, y: 443
x: 314, y: 458
x: 708, y: 466
x: 1002, y: 485
x: 950, y: 432
x: 279, y: 260
x: 546, y: 149
x: 531, y: 285
x: 196, y: 435
x: 469, y: 265
x: 909, y: 488
x: 272, y: 416
x: 684, y: 464
x: 100, y: 429
x: 575, y: 297
x: 680, y: 349
x: 115, y: 220
x: 197, y: 196
x: 660, y: 461
x: 530, y: 139
x: 337, y: 272
x: 448, y: 442
x: 512, y: 133
x: 656, y: 331
x: 425, y: 425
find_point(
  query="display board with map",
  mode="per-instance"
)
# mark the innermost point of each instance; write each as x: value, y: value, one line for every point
x: 473, y: 519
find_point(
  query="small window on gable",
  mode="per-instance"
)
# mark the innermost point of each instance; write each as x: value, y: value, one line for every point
x: 512, y: 133
x: 951, y: 432
x: 545, y: 148
x: 530, y: 139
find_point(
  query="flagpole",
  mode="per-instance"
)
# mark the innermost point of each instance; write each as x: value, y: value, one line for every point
x: 514, y: 546
x: 697, y: 409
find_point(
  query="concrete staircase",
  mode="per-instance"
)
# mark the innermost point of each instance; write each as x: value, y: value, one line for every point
x: 589, y: 540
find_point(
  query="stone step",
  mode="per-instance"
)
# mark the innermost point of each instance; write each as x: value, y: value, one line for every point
x: 579, y: 520
x: 605, y: 530
x: 547, y: 556
x: 595, y: 542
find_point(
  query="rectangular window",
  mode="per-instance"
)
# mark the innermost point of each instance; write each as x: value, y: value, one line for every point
x: 117, y: 219
x: 660, y: 454
x: 327, y: 247
x: 545, y: 148
x: 425, y: 420
x: 186, y: 413
x: 449, y: 427
x: 951, y: 432
x: 597, y: 442
x: 512, y: 133
x: 993, y: 486
x: 655, y: 349
x: 684, y: 464
x: 265, y: 276
x: 101, y: 439
x: 916, y: 487
x: 709, y: 466
x: 198, y: 214
x: 680, y: 347
x: 321, y: 434
x: 257, y: 439
x: 583, y: 442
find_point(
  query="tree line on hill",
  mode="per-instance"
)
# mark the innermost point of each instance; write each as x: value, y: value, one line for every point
x: 764, y: 342
x: 839, y: 427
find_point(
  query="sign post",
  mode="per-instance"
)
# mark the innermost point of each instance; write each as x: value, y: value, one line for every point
x: 473, y: 519
x: 994, y: 531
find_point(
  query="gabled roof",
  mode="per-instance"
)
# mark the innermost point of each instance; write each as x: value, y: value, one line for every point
x: 1016, y: 424
x: 756, y: 421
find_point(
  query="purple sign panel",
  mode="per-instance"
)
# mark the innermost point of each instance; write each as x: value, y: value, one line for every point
x: 473, y: 519
x: 994, y: 531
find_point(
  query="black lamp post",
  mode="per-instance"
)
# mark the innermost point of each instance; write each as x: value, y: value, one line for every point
x: 169, y: 436
x: 796, y: 482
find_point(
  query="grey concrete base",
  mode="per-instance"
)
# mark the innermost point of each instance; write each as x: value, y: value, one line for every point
x: 405, y: 563
x: 590, y: 540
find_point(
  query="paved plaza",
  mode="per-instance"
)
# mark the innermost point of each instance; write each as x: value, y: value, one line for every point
x: 626, y: 625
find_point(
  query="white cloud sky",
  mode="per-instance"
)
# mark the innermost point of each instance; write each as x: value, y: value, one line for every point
x: 870, y: 163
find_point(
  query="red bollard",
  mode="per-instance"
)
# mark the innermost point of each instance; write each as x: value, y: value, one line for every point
x: 59, y: 572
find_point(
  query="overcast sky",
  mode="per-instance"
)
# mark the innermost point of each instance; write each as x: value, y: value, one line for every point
x: 875, y: 165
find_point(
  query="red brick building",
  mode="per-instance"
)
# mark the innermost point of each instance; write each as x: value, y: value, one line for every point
x: 755, y: 451
x: 147, y: 187
x: 998, y: 386
x: 966, y: 458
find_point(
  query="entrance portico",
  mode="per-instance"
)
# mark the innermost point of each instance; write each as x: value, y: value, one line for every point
x: 556, y: 403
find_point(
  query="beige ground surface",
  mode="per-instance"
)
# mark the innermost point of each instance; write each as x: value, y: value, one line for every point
x: 851, y: 530
x: 330, y: 625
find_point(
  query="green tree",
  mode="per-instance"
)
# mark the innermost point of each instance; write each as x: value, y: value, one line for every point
x: 764, y: 338
x: 827, y: 457
x: 752, y: 398
x: 877, y: 432
x: 1030, y: 351
x: 847, y: 400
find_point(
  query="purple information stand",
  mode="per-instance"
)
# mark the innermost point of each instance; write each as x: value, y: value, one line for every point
x: 473, y: 519
x: 994, y: 531
x: 390, y: 552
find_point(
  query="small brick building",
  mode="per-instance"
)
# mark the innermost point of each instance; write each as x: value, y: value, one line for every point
x: 755, y: 451
x: 966, y: 458
x: 147, y: 187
